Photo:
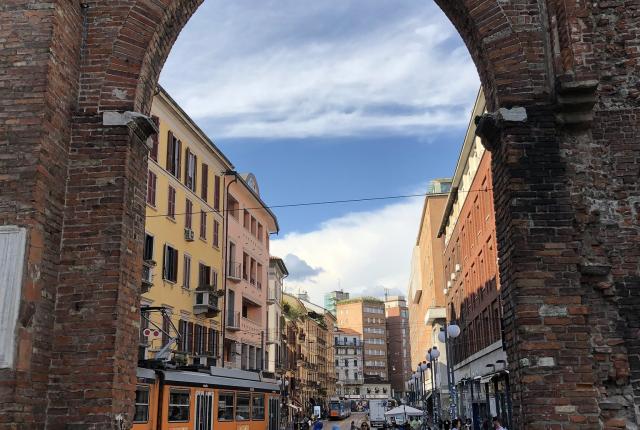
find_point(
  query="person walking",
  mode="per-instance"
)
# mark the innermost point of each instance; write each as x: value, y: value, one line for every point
x: 497, y: 424
x: 353, y: 426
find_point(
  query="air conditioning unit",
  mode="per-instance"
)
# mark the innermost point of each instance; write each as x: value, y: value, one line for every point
x: 448, y: 284
x: 445, y: 291
x: 458, y: 268
x: 188, y: 235
x: 453, y: 276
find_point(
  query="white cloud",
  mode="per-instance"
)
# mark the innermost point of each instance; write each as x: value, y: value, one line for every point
x: 364, y: 252
x: 258, y: 70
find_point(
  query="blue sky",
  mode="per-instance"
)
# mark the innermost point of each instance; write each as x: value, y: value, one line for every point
x: 331, y: 100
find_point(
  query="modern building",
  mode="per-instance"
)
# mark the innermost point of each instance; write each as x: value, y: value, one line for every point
x: 249, y: 223
x: 349, y: 363
x: 330, y: 300
x: 274, y: 357
x: 314, y: 374
x: 426, y: 302
x: 398, y: 344
x: 366, y: 315
x: 183, y: 247
x: 472, y: 283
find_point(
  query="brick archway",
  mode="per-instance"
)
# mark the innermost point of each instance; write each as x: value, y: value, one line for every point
x: 562, y: 84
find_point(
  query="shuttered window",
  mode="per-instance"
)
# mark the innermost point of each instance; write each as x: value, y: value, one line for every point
x: 188, y: 214
x: 154, y: 148
x: 152, y: 181
x: 216, y: 193
x: 170, y: 268
x: 174, y: 151
x: 204, y: 187
x: 203, y: 225
x: 171, y: 203
x: 190, y: 169
x: 216, y: 233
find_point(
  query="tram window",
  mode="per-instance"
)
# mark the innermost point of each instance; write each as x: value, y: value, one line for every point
x: 242, y: 406
x: 178, y: 406
x: 225, y: 406
x: 257, y: 407
x: 142, y: 404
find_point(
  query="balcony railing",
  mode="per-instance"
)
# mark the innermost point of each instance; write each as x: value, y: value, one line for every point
x: 147, y: 275
x: 235, y: 271
x: 358, y: 343
x: 206, y: 301
x: 233, y: 321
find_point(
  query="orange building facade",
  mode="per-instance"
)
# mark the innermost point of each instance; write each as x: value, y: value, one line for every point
x: 472, y: 284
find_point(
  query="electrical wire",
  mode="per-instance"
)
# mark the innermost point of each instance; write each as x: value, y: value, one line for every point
x: 317, y: 203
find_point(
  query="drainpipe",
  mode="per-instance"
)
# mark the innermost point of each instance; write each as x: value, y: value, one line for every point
x: 225, y: 269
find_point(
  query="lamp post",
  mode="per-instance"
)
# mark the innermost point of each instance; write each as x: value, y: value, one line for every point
x: 424, y: 366
x: 432, y: 357
x: 450, y: 331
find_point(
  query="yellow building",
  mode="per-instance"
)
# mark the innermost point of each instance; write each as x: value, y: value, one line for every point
x: 184, y: 243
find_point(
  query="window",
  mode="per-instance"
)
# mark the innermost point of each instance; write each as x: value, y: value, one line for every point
x: 225, y: 406
x: 346, y: 362
x: 171, y: 204
x: 178, y: 406
x: 204, y: 275
x: 212, y: 346
x: 186, y: 272
x: 245, y: 266
x: 190, y: 170
x: 170, y: 269
x: 204, y: 186
x: 141, y: 414
x: 154, y: 148
x: 337, y: 364
x: 257, y: 407
x: 242, y: 406
x: 147, y: 254
x: 188, y: 217
x: 216, y: 233
x: 203, y: 225
x: 260, y: 232
x: 152, y: 182
x: 216, y: 194
x: 355, y: 363
x: 233, y: 207
x: 174, y: 151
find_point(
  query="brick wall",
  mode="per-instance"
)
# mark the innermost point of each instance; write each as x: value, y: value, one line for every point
x: 565, y: 180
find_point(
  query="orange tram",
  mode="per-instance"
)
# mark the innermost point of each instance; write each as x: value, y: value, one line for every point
x: 226, y: 399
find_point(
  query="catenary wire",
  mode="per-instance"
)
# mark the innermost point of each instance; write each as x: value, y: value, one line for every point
x: 318, y: 203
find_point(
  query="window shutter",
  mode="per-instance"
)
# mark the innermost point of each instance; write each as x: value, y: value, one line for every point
x: 165, y: 266
x: 190, y: 345
x: 216, y: 193
x: 186, y: 166
x: 170, y: 151
x: 154, y: 148
x: 204, y: 187
x: 178, y: 167
x: 195, y: 174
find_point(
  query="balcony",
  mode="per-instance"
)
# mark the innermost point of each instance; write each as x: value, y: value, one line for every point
x: 271, y: 296
x: 235, y: 272
x: 206, y: 301
x: 233, y: 321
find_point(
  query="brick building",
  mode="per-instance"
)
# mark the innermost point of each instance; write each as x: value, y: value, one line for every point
x: 398, y: 344
x: 561, y: 83
x: 472, y: 285
x: 366, y: 315
x: 349, y: 363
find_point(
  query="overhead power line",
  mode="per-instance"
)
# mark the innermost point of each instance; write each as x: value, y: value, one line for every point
x: 318, y: 203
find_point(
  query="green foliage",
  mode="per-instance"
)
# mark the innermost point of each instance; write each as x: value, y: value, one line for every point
x: 365, y: 299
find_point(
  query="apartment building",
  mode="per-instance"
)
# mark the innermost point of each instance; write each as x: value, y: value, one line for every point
x: 183, y: 259
x: 249, y: 223
x: 427, y: 312
x: 314, y: 376
x: 274, y: 356
x: 349, y: 363
x: 366, y: 315
x: 333, y: 297
x: 398, y: 344
x: 472, y: 283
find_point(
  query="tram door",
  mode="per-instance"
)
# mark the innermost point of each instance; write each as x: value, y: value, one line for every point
x: 204, y: 411
x: 274, y: 413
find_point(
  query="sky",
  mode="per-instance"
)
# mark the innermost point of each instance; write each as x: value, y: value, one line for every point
x: 331, y: 100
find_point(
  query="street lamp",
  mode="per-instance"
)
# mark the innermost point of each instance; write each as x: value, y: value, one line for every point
x: 450, y: 331
x: 432, y: 357
x: 423, y: 366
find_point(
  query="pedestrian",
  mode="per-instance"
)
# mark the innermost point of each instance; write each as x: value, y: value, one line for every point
x: 364, y: 425
x: 497, y: 424
x: 446, y: 424
x: 353, y: 425
x: 318, y: 424
x: 467, y: 424
x: 455, y: 424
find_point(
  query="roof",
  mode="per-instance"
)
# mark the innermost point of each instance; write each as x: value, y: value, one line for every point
x: 462, y: 161
x: 364, y: 299
x: 242, y: 178
x: 348, y: 331
x: 280, y: 263
x: 191, y: 123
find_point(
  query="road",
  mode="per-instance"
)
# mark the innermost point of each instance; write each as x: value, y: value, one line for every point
x: 345, y: 424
